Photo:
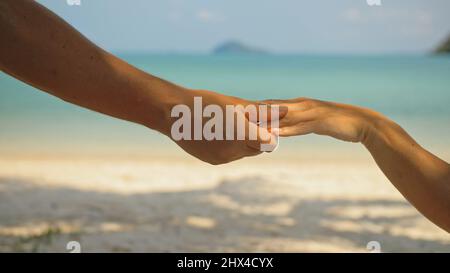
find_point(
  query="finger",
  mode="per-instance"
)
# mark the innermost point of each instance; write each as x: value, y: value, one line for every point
x: 265, y: 141
x: 258, y: 146
x: 297, y: 115
x: 290, y: 113
x: 262, y: 136
x: 272, y: 145
x: 271, y: 112
x: 246, y: 131
x: 263, y: 113
x: 284, y: 101
x: 302, y: 128
x: 274, y: 101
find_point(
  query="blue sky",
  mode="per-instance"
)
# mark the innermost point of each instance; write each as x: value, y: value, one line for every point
x: 282, y: 26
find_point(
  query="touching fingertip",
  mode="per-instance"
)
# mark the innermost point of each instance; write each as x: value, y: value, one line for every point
x: 282, y: 110
x: 275, y: 131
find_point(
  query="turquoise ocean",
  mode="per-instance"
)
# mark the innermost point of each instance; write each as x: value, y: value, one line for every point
x: 412, y: 90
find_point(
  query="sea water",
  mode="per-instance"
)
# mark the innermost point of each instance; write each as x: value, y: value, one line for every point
x: 413, y: 90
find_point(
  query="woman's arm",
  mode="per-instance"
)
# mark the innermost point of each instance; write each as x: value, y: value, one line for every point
x: 423, y: 178
x: 41, y: 49
x: 420, y: 176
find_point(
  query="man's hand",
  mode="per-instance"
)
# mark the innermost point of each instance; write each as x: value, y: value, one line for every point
x: 223, y: 151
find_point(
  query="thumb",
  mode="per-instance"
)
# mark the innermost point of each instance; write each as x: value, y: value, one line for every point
x: 265, y: 141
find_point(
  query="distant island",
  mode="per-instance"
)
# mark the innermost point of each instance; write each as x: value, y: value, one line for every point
x: 235, y: 47
x: 444, y: 47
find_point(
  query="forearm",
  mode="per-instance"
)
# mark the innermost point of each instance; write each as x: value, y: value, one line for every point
x: 421, y: 177
x: 41, y: 49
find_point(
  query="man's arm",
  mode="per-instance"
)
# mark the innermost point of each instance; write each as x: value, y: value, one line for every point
x: 42, y: 50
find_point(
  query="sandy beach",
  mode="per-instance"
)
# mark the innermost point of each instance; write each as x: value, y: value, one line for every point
x: 180, y: 204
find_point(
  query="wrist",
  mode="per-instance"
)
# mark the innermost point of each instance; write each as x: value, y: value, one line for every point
x: 375, y: 127
x: 161, y: 119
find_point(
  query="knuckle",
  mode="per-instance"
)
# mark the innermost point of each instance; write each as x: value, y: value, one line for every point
x: 309, y: 103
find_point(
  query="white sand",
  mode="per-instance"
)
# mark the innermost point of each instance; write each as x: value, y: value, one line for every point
x: 185, y: 205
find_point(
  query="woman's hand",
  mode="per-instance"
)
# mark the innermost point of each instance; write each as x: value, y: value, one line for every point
x: 422, y: 177
x: 341, y: 121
